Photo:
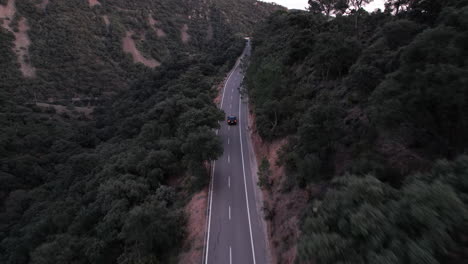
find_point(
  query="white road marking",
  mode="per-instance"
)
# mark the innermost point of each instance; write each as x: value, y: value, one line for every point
x: 229, y: 128
x: 209, y: 218
x: 229, y: 141
x: 229, y: 158
x: 229, y: 182
x: 207, y: 244
x: 229, y: 212
x: 245, y: 184
x: 231, y: 97
x: 230, y: 255
x: 230, y: 106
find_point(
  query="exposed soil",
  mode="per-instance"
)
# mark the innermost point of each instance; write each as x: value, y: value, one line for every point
x: 183, y: 34
x: 22, y: 40
x: 6, y: 13
x: 129, y: 46
x: 93, y: 3
x: 153, y: 23
x: 217, y: 100
x: 106, y: 20
x: 196, y: 213
x: 284, y: 208
x: 60, y: 109
x: 22, y: 43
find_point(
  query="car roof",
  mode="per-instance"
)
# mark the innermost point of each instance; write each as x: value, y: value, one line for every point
x: 232, y: 117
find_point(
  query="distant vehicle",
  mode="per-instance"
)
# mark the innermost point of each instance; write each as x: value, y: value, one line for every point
x: 232, y: 120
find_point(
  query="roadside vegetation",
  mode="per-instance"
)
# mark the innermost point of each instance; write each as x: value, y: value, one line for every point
x: 374, y: 108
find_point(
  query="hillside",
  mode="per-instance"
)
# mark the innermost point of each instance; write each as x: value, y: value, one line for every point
x: 82, y: 48
x: 107, y: 121
x: 372, y: 107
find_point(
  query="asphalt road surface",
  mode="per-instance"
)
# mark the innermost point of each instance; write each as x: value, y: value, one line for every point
x: 236, y: 231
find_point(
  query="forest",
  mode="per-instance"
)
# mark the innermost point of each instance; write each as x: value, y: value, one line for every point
x: 373, y: 109
x: 110, y: 186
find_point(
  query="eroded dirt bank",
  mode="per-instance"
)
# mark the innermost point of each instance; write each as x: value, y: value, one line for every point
x: 22, y: 41
x: 129, y: 46
x: 93, y: 3
x: 184, y: 36
x: 153, y: 24
x: 196, y: 219
x: 282, y: 208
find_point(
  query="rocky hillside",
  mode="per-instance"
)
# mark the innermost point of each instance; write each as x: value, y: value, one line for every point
x: 368, y: 105
x: 87, y: 48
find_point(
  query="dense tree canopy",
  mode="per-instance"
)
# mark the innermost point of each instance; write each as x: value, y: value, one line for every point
x: 367, y: 113
x: 109, y: 187
x: 362, y: 220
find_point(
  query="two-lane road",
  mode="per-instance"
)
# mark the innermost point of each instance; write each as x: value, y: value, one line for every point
x: 235, y: 228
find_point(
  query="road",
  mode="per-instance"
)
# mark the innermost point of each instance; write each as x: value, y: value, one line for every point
x: 236, y: 231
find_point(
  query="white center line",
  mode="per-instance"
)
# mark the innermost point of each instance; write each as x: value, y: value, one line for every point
x: 245, y: 184
x: 229, y: 182
x: 229, y: 158
x: 229, y: 212
x: 229, y: 141
x: 231, y: 97
x: 230, y: 106
x: 207, y: 244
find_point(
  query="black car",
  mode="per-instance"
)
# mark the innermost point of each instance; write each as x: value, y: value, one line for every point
x: 232, y: 120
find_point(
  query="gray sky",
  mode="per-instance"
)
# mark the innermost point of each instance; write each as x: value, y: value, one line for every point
x: 301, y: 4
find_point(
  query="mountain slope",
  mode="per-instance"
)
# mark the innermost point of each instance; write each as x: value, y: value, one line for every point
x: 87, y: 48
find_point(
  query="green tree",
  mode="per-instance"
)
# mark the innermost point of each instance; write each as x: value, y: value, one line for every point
x: 362, y: 220
x: 322, y: 6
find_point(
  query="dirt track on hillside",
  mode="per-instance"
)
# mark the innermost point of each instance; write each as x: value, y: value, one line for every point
x: 93, y: 3
x: 153, y: 24
x: 22, y: 41
x: 129, y: 46
x: 184, y: 34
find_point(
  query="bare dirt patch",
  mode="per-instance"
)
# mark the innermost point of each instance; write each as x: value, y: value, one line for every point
x: 196, y: 213
x: 6, y: 13
x: 22, y: 43
x: 93, y: 3
x: 60, y: 109
x: 282, y: 208
x: 129, y: 46
x: 153, y: 24
x: 184, y: 34
x: 106, y: 20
